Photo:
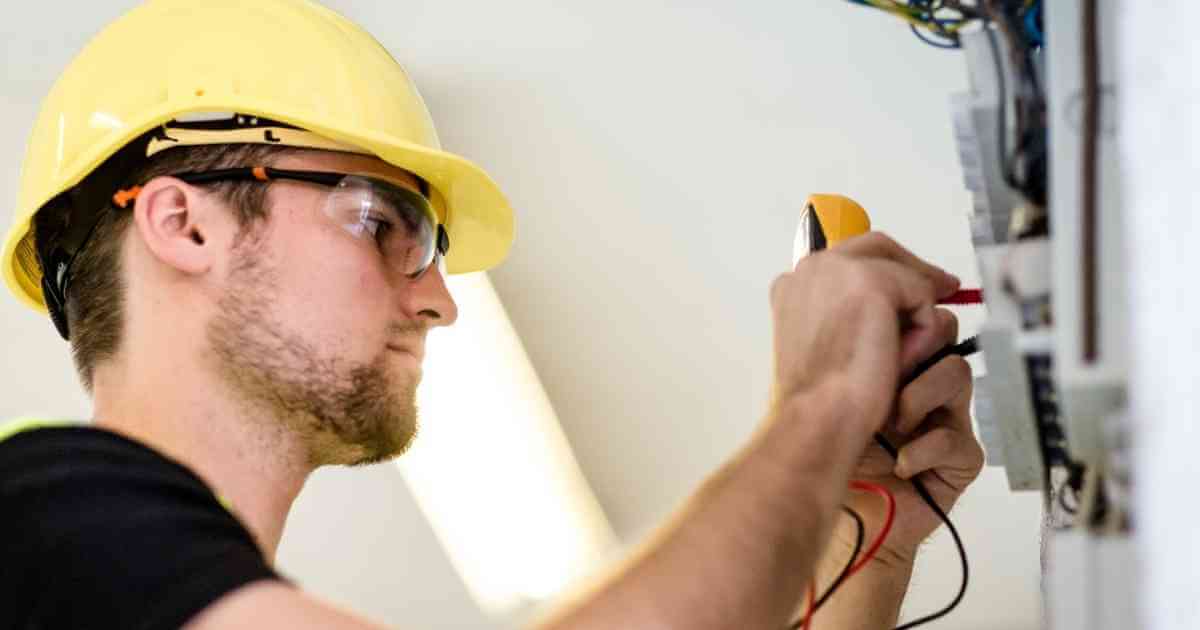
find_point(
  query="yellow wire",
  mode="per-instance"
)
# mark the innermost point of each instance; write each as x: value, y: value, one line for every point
x: 903, y: 12
x: 891, y: 6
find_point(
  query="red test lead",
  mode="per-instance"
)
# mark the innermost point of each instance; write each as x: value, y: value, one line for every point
x: 965, y: 296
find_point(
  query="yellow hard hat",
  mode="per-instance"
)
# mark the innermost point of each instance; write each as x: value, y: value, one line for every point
x: 314, y: 74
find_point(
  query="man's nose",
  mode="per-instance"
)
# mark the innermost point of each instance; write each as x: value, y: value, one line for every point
x: 428, y: 299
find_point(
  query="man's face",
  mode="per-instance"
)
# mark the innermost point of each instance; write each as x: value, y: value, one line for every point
x: 314, y: 326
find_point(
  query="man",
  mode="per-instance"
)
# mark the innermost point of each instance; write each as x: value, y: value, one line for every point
x: 244, y: 241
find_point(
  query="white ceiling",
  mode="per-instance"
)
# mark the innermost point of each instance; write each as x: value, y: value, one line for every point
x: 657, y: 154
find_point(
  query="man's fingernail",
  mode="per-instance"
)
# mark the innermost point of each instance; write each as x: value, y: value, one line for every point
x: 953, y: 278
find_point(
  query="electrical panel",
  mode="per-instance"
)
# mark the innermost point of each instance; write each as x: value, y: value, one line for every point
x: 1035, y: 134
x: 1051, y: 408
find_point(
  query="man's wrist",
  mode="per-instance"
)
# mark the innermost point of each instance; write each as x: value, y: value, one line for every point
x: 818, y: 429
x: 802, y: 457
x: 887, y: 559
x: 884, y: 579
x: 872, y: 597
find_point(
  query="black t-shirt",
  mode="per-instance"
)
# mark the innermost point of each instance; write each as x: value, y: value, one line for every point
x: 99, y: 531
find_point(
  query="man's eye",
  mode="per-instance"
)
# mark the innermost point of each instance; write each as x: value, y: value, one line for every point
x: 377, y: 226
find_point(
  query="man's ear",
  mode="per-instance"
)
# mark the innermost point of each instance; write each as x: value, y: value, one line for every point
x: 178, y: 225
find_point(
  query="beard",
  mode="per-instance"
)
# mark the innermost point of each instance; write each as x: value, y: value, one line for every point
x: 342, y: 412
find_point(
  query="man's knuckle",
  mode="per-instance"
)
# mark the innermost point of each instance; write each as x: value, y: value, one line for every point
x: 943, y: 440
x: 960, y: 368
x: 977, y: 458
x: 858, y: 299
x: 947, y: 319
x: 924, y: 284
x: 861, y: 280
x: 778, y: 286
x: 968, y: 390
x: 879, y: 239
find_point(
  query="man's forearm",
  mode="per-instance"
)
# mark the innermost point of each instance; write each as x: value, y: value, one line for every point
x: 743, y: 548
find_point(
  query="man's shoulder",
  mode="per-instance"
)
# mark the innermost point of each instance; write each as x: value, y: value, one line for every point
x: 74, y: 481
x: 98, y: 526
x: 49, y: 436
x: 35, y: 432
x: 45, y: 453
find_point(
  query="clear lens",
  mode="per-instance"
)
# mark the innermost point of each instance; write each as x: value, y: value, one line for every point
x: 803, y: 244
x: 399, y: 222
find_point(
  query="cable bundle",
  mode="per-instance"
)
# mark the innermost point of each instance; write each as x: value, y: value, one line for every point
x: 1025, y: 166
x: 1023, y: 159
x: 935, y: 22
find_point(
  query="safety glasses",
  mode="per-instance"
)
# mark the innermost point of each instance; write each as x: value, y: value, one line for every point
x: 400, y: 223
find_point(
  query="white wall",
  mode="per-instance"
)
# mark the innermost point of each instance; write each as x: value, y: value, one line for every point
x: 1158, y: 125
x: 657, y: 154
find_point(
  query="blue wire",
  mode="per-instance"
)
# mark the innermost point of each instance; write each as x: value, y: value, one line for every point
x: 1031, y: 28
x: 947, y: 44
x: 952, y: 45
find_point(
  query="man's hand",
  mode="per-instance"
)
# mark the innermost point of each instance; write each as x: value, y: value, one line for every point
x: 838, y: 322
x: 931, y: 425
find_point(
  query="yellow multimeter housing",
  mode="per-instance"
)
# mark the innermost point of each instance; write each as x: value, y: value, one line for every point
x: 826, y: 221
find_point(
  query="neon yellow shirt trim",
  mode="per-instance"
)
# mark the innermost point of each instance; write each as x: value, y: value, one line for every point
x: 20, y: 425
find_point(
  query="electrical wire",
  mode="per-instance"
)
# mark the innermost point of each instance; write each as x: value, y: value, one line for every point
x: 805, y: 621
x: 935, y: 22
x: 1019, y: 25
x: 858, y: 543
x: 962, y: 552
x: 964, y: 297
x: 1033, y: 13
x: 812, y: 593
x: 866, y: 486
x: 1062, y: 502
x: 966, y: 348
x: 950, y: 44
x: 855, y: 563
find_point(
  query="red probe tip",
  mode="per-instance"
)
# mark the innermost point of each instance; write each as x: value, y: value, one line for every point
x: 965, y: 296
